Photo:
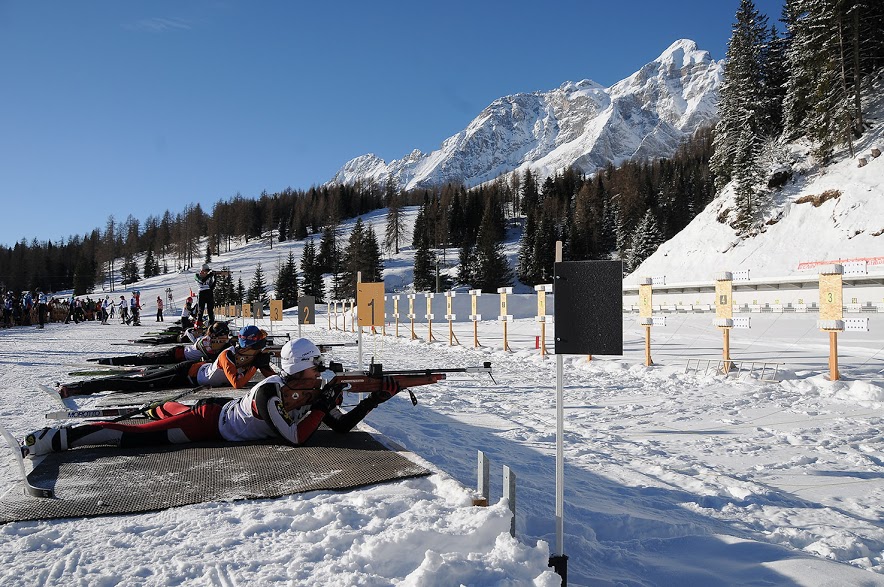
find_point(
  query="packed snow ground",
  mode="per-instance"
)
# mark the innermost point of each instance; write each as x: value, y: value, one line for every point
x: 671, y: 478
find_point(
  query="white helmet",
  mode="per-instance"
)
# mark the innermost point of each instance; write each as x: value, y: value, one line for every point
x: 298, y: 355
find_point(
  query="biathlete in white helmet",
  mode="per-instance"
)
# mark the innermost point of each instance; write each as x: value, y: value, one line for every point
x: 287, y: 407
x: 234, y: 367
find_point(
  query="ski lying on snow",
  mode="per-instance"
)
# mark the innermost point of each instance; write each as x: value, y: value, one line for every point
x: 17, y: 451
x: 94, y: 413
x: 53, y: 393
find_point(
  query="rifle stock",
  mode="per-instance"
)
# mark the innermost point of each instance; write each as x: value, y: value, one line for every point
x: 373, y: 379
x: 363, y: 383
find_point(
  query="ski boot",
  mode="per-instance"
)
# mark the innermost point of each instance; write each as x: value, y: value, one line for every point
x: 45, y: 441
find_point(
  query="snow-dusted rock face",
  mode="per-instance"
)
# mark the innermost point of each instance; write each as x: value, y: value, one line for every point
x: 580, y: 124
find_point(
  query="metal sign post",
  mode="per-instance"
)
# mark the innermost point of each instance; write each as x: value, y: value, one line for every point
x: 589, y: 320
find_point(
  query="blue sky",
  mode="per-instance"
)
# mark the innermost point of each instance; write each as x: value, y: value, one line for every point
x: 137, y: 107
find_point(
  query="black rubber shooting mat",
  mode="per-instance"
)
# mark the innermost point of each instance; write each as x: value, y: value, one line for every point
x: 95, y: 481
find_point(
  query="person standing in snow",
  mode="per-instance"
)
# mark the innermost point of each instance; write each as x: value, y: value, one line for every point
x: 206, y: 280
x: 159, y: 309
x: 106, y: 305
x: 124, y: 310
x: 42, y: 308
x: 277, y: 408
x: 135, y: 308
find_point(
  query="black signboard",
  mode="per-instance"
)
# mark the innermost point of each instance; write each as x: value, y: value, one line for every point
x: 306, y: 310
x: 588, y: 307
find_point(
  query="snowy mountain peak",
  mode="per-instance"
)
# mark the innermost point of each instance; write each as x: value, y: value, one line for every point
x: 683, y: 53
x: 580, y: 124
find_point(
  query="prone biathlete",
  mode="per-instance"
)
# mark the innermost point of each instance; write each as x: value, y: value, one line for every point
x: 280, y: 407
x: 233, y: 367
x: 204, y: 348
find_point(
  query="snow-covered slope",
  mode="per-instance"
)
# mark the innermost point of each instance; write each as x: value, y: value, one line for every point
x: 795, y: 234
x: 579, y: 124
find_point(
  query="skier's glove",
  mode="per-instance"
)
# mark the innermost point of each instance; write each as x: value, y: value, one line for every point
x: 389, y: 388
x: 329, y: 398
x: 261, y: 361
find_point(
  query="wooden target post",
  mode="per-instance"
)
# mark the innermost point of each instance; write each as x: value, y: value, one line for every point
x: 429, y: 316
x: 247, y: 310
x: 542, y: 290
x: 475, y: 316
x: 275, y: 313
x: 396, y: 313
x: 832, y: 311
x: 411, y: 314
x: 352, y: 302
x: 370, y: 308
x: 504, y: 317
x: 724, y: 313
x: 450, y: 316
x: 645, y: 312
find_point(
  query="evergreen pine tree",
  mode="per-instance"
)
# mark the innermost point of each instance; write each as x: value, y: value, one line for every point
x: 257, y: 288
x: 424, y: 268
x: 373, y: 271
x: 645, y: 240
x: 240, y: 292
x: 527, y: 266
x: 354, y: 259
x: 395, y: 230
x: 545, y: 247
x: 492, y: 269
x: 312, y: 271
x: 150, y: 268
x: 742, y: 94
x: 746, y: 175
x: 287, y: 282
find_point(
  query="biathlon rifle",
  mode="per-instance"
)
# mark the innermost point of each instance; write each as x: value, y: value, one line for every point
x: 373, y: 378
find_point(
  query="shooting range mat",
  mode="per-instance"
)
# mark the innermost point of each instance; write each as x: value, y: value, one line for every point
x: 95, y: 481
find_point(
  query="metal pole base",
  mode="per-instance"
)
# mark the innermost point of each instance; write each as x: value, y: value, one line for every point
x: 559, y: 563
